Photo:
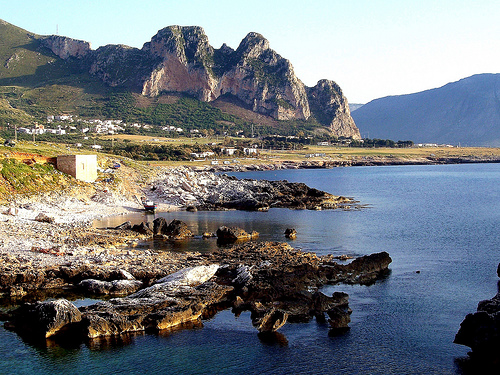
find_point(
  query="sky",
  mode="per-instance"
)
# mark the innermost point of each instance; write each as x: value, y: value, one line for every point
x: 371, y: 48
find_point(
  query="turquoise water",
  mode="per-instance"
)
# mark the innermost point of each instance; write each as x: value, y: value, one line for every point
x: 440, y: 220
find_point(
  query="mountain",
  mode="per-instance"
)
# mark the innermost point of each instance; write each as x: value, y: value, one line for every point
x: 465, y: 112
x: 177, y: 59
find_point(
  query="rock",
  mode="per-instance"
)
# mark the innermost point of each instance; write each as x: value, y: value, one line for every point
x: 269, y: 321
x: 42, y: 218
x: 12, y: 211
x: 481, y: 331
x: 174, y: 300
x: 190, y: 276
x: 123, y: 226
x: 126, y: 275
x: 330, y: 107
x: 176, y: 229
x: 340, y: 317
x: 291, y: 233
x: 159, y: 225
x: 243, y: 276
x: 143, y: 228
x: 115, y: 287
x: 45, y: 319
x: 232, y: 234
x: 366, y: 269
x: 191, y: 209
x: 65, y: 47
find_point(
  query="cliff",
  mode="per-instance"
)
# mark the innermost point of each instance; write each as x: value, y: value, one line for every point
x: 180, y: 59
x: 330, y: 107
x: 65, y: 47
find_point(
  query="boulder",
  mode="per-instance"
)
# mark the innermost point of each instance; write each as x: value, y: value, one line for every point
x: 123, y: 226
x: 176, y: 229
x: 45, y: 319
x: 481, y: 331
x: 232, y: 234
x: 291, y: 233
x: 158, y: 225
x: 269, y: 320
x: 42, y: 218
x: 143, y: 228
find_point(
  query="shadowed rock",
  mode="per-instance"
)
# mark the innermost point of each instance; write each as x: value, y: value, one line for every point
x: 176, y: 229
x: 291, y: 233
x: 45, y: 319
x: 481, y: 331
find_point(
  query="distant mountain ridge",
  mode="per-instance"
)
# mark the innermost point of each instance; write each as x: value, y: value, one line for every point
x: 180, y: 59
x: 465, y: 112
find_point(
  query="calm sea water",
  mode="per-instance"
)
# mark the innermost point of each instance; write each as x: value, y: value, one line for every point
x: 440, y: 220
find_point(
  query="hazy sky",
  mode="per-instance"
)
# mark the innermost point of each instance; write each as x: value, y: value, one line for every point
x: 370, y: 48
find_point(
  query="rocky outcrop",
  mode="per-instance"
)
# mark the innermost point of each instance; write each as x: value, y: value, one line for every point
x: 481, y: 332
x: 253, y: 73
x: 45, y: 319
x: 264, y: 80
x: 330, y: 107
x: 208, y: 191
x: 65, y: 47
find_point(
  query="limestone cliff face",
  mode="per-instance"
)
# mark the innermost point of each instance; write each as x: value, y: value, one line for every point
x: 264, y: 80
x: 66, y: 47
x: 330, y: 108
x: 186, y: 61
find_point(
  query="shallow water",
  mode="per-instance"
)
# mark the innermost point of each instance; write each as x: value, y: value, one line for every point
x: 440, y: 220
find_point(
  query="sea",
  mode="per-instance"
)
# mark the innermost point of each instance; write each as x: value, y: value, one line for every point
x: 440, y: 224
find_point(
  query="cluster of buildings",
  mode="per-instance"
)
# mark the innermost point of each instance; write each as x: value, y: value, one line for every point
x: 99, y: 126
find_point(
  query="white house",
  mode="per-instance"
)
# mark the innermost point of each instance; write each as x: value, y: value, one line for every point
x: 250, y: 151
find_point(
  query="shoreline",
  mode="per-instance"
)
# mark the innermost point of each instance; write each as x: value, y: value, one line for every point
x: 71, y: 238
x: 353, y: 161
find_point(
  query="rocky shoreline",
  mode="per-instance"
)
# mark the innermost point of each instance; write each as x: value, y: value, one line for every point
x: 352, y: 161
x: 272, y: 280
x: 49, y: 248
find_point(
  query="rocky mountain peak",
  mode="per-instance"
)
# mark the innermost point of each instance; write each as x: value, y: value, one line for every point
x: 330, y: 107
x: 188, y: 43
x: 252, y: 45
